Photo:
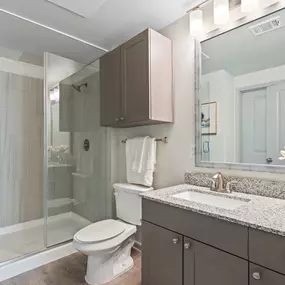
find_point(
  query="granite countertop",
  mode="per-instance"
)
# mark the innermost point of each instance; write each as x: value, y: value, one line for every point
x: 263, y: 213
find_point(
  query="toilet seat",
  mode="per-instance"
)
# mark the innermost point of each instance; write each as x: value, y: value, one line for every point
x: 100, y: 231
x: 107, y: 243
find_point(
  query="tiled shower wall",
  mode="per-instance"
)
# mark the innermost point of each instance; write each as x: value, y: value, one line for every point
x: 21, y: 148
x: 80, y: 114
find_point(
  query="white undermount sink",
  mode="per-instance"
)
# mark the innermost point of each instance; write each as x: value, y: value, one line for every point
x: 228, y: 203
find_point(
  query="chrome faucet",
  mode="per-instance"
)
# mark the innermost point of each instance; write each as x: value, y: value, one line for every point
x: 220, y: 184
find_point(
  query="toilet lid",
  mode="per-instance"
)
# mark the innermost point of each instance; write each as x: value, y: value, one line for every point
x: 100, y: 231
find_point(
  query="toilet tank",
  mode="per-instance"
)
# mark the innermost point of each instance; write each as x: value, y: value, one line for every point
x: 128, y: 202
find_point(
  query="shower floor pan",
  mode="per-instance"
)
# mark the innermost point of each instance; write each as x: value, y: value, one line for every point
x: 26, y: 238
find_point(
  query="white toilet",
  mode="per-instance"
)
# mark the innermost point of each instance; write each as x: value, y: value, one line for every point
x: 108, y: 243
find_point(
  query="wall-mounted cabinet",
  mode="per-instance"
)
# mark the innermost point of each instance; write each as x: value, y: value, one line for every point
x: 136, y: 82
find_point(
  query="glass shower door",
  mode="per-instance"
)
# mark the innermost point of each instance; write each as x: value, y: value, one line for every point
x: 76, y: 150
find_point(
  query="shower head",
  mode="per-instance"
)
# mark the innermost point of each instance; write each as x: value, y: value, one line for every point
x: 78, y: 87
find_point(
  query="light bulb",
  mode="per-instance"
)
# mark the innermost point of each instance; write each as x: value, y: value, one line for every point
x: 54, y: 95
x: 196, y: 22
x: 221, y: 12
x: 248, y: 6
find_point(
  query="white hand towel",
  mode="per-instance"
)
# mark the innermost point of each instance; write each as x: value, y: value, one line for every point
x: 138, y: 152
x: 148, y: 161
x: 151, y: 154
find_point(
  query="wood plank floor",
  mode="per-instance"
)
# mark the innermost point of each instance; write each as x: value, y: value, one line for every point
x: 71, y: 271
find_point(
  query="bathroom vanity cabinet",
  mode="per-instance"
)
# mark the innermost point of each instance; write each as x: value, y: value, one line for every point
x: 136, y: 82
x: 183, y: 247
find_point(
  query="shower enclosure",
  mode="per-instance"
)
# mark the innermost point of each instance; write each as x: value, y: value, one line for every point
x: 53, y: 155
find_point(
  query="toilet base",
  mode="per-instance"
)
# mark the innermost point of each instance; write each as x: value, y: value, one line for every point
x: 105, y: 269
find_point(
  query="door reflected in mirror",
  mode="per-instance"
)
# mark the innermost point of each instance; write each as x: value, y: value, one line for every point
x: 242, y: 94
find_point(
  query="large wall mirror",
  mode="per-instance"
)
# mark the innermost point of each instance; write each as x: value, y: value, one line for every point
x: 241, y: 99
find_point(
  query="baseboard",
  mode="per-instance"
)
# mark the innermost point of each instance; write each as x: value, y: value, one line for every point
x: 31, y: 262
x: 137, y: 246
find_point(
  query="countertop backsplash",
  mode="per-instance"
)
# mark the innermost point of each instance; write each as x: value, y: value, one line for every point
x: 268, y: 188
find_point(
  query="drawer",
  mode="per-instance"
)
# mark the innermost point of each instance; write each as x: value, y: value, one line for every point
x: 267, y: 249
x: 262, y: 276
x: 227, y: 236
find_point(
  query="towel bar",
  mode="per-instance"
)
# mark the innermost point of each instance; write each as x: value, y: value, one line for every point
x: 165, y: 140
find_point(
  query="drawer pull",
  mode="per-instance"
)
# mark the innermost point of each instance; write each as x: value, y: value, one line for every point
x: 175, y: 240
x: 187, y: 245
x: 117, y: 119
x: 256, y: 276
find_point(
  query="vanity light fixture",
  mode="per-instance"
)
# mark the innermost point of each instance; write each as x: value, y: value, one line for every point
x: 196, y: 22
x: 248, y: 6
x: 222, y: 11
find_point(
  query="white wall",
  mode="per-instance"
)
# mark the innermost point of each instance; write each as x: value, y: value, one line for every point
x: 225, y: 90
x: 175, y: 157
x: 21, y: 68
x: 221, y: 90
x: 260, y: 78
x: 59, y: 68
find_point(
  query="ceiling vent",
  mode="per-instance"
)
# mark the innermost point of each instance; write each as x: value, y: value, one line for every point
x: 266, y: 26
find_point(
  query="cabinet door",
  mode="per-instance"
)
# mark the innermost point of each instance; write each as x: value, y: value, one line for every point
x: 161, y: 256
x: 110, y: 88
x: 262, y: 276
x: 204, y: 265
x: 135, y: 79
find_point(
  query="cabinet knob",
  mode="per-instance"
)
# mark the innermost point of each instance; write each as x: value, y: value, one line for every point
x: 256, y: 275
x: 117, y: 119
x: 187, y: 245
x: 122, y: 119
x: 175, y: 240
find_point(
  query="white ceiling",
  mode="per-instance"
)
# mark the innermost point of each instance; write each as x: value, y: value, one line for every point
x: 108, y: 23
x: 239, y: 52
x: 81, y: 8
x: 23, y: 36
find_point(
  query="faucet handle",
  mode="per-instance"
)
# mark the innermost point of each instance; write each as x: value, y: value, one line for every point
x: 228, y: 185
x: 216, y: 175
x: 213, y: 186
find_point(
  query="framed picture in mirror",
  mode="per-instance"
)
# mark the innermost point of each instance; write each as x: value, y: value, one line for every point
x: 209, y: 118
